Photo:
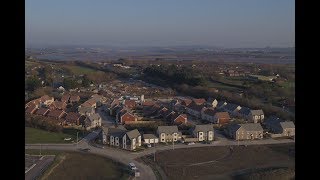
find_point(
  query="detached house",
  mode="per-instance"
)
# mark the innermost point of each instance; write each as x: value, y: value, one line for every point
x: 247, y: 131
x: 73, y: 118
x: 203, y: 132
x: 122, y: 138
x: 256, y: 116
x: 212, y: 102
x: 221, y: 118
x: 92, y: 121
x: 208, y: 114
x: 168, y: 133
x: 126, y: 117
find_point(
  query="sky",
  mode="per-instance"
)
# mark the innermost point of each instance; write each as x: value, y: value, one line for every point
x: 224, y: 23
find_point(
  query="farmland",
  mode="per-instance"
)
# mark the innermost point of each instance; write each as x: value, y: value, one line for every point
x: 222, y: 162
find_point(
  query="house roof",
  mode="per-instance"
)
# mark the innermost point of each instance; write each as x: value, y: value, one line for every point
x: 59, y: 104
x: 133, y: 134
x: 148, y: 103
x: 221, y: 104
x: 245, y: 111
x: 74, y: 98
x: 94, y: 116
x: 211, y: 100
x: 42, y: 111
x: 55, y: 113
x: 34, y: 102
x: 287, y: 124
x: 176, y: 115
x: 210, y: 111
x: 256, y: 112
x: 98, y: 97
x: 252, y: 127
x: 65, y: 98
x: 199, y: 101
x: 31, y: 108
x: 129, y: 102
x: 72, y: 116
x: 231, y: 107
x: 149, y: 136
x: 203, y: 128
x: 222, y: 115
x: 168, y: 129
x: 195, y: 107
x: 116, y: 132
x: 85, y: 109
x: 186, y: 102
x: 45, y: 98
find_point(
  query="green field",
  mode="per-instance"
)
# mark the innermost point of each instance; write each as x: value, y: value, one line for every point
x: 72, y: 165
x: 77, y: 70
x: 33, y: 135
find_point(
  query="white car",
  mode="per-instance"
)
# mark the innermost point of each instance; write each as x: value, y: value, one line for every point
x: 133, y: 166
x: 149, y: 145
x: 191, y: 143
x: 67, y: 139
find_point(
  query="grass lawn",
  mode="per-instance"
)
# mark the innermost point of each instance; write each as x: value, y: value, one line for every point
x: 74, y: 165
x: 33, y: 135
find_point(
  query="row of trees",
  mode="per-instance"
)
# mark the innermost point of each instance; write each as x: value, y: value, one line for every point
x: 42, y: 123
x: 175, y: 75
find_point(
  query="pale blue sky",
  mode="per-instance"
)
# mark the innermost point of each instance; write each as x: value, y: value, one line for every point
x: 228, y: 23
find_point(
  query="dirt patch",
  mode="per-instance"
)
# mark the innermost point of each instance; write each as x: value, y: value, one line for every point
x: 176, y: 163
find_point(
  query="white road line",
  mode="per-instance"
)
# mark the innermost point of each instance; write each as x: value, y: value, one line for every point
x: 29, y: 168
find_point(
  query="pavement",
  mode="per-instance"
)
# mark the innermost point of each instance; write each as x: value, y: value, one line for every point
x: 39, y: 167
x: 126, y: 157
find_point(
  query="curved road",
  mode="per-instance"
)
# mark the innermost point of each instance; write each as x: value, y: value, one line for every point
x: 125, y: 157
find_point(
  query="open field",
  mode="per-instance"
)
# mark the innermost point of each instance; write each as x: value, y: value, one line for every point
x: 70, y: 165
x: 33, y: 135
x: 77, y: 70
x: 222, y: 162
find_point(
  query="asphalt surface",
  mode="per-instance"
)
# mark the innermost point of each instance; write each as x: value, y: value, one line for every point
x: 126, y: 157
x: 41, y: 165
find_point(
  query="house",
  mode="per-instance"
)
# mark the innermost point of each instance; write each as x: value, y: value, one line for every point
x: 73, y: 118
x: 126, y: 116
x: 42, y: 111
x: 58, y: 105
x: 168, y: 133
x: 86, y: 110
x: 148, y: 103
x: 221, y: 104
x: 203, y: 132
x: 46, y: 100
x: 114, y: 103
x: 232, y: 109
x: 74, y: 98
x: 221, y: 118
x: 150, y: 139
x: 256, y: 116
x: 35, y: 102
x: 208, y: 114
x: 89, y: 103
x: 129, y: 103
x: 31, y: 109
x: 194, y: 109
x: 98, y: 99
x: 244, y: 112
x: 105, y: 132
x: 186, y: 102
x: 277, y: 126
x: 247, y: 131
x: 199, y: 101
x: 212, y: 102
x: 179, y: 119
x: 124, y: 139
x: 65, y: 98
x: 92, y: 121
x: 57, y: 114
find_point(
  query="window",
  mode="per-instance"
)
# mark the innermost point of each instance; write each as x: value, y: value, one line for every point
x: 162, y: 140
x: 200, y: 133
x: 162, y: 135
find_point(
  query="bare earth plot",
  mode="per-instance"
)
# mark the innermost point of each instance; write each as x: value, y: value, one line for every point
x: 223, y: 162
x: 36, y: 165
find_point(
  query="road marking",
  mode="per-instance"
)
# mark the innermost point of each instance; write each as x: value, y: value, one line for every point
x: 29, y: 168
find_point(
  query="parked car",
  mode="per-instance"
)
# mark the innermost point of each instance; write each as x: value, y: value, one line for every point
x: 132, y: 166
x: 191, y: 143
x: 149, y: 145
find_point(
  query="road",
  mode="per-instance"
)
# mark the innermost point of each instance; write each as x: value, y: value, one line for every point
x: 106, y: 119
x: 126, y: 157
x: 39, y: 168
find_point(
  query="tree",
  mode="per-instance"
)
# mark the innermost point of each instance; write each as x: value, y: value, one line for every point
x: 85, y: 81
x: 32, y: 83
x: 69, y: 83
